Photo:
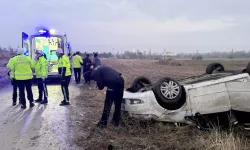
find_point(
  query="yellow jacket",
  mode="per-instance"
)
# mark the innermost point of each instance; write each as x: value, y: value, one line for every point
x: 21, y: 66
x: 77, y: 61
x: 11, y: 73
x: 41, y: 68
x: 64, y: 62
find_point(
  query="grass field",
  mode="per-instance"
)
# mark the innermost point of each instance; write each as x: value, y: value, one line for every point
x: 150, y: 135
x: 4, y: 57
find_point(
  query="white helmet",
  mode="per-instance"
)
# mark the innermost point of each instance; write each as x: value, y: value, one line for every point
x: 20, y: 51
x: 59, y: 50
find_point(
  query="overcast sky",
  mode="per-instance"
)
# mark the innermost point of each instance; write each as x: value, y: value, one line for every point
x: 100, y: 25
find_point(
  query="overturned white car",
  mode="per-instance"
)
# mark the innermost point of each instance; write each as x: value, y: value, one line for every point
x: 192, y: 100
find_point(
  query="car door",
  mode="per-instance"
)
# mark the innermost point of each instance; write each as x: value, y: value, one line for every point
x: 239, y: 93
x: 208, y: 97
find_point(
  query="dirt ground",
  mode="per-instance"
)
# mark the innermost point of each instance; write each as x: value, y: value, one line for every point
x: 133, y: 134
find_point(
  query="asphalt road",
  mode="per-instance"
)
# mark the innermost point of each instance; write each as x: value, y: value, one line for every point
x: 38, y: 128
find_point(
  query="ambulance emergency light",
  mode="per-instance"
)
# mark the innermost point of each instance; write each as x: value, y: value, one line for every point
x: 46, y: 32
x: 24, y: 36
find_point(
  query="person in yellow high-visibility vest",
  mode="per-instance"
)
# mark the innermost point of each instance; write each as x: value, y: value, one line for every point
x: 65, y: 74
x: 77, y: 64
x: 41, y: 70
x: 13, y: 83
x: 21, y: 66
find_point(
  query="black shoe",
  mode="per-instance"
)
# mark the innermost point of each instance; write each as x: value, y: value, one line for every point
x: 23, y: 106
x: 44, y: 102
x: 38, y: 101
x: 32, y: 105
x: 13, y: 104
x: 63, y: 103
x: 100, y: 125
x: 114, y: 123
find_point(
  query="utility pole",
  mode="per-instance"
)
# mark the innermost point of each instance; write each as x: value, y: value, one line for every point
x: 164, y: 53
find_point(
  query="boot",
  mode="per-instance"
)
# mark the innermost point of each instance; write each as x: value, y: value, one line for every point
x: 32, y: 105
x: 23, y: 106
x: 115, y: 123
x: 63, y: 103
x: 44, y: 101
x: 38, y: 100
x: 14, y: 103
x: 100, y: 125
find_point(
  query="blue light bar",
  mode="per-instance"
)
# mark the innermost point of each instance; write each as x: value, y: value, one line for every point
x: 25, y: 36
x: 42, y: 31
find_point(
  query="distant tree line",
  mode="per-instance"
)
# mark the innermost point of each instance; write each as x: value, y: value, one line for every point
x: 229, y: 55
x: 143, y: 55
x: 194, y: 56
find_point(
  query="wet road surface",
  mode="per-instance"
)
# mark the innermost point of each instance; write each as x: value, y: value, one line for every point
x: 38, y: 128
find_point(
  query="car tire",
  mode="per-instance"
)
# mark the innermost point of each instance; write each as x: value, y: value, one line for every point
x: 139, y: 83
x: 247, y: 70
x: 214, y: 67
x: 164, y: 99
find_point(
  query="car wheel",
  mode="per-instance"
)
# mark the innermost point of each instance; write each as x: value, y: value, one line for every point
x: 139, y: 83
x: 169, y: 93
x: 214, y: 67
x: 247, y: 70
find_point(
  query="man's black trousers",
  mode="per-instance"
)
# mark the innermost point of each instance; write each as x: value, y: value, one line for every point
x: 22, y: 85
x: 14, y: 94
x: 87, y: 75
x: 77, y: 72
x: 65, y: 88
x: 42, y: 90
x: 113, y: 94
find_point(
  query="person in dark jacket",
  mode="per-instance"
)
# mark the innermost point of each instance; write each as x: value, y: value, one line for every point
x: 86, y: 69
x: 97, y: 61
x: 107, y: 77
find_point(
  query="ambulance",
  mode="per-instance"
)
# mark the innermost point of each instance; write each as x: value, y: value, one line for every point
x: 48, y: 41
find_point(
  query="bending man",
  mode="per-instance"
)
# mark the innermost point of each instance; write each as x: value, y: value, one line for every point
x: 106, y: 76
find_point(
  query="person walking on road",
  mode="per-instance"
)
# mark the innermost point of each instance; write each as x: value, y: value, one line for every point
x: 97, y: 61
x: 110, y: 78
x: 13, y: 83
x: 41, y: 70
x: 21, y: 66
x: 77, y: 64
x: 65, y: 75
x: 86, y: 69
